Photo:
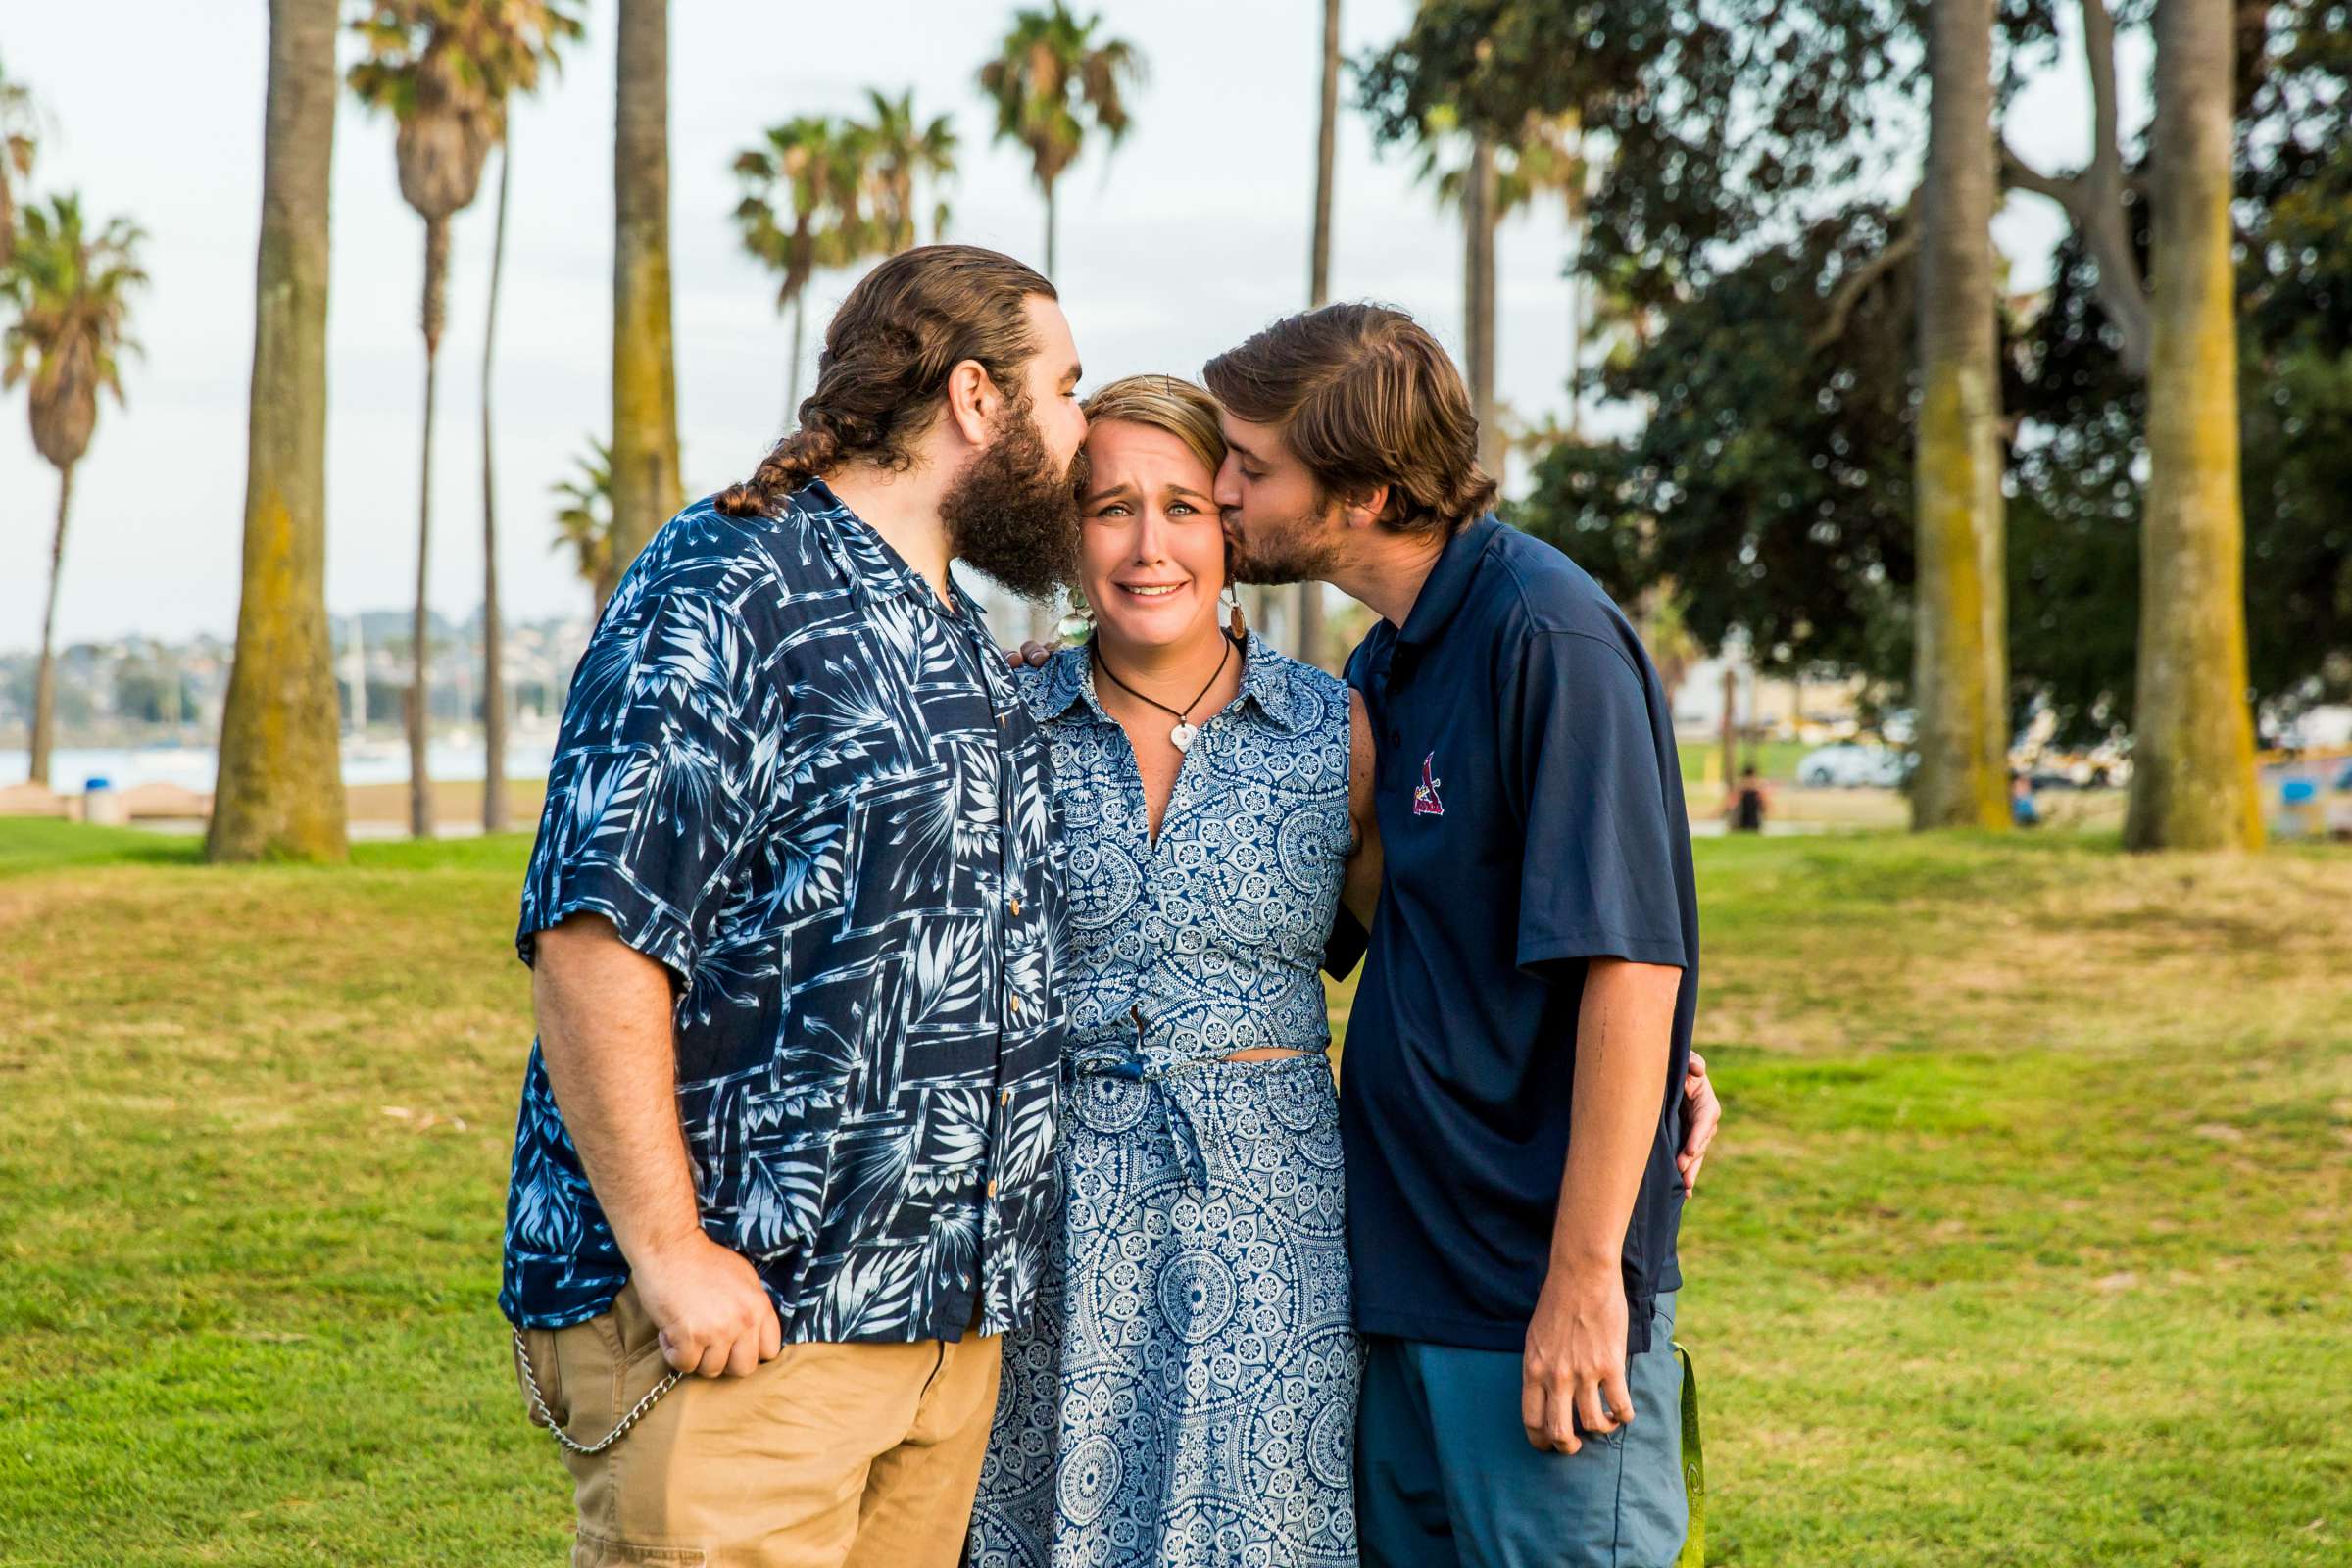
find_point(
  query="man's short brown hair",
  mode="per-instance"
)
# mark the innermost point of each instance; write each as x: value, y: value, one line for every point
x: 1365, y: 397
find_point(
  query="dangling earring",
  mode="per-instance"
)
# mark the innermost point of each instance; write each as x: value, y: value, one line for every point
x: 1237, y: 626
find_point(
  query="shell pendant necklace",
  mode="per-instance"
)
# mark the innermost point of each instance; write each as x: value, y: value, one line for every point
x: 1186, y: 731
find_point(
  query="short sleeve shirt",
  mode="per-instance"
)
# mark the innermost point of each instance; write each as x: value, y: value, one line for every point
x: 808, y: 788
x: 1531, y: 816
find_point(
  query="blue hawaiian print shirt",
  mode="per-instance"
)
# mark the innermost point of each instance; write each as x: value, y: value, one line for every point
x: 793, y: 776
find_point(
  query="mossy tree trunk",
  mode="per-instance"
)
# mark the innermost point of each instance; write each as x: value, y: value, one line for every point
x: 2192, y: 761
x: 279, y: 794
x: 1960, y: 662
x: 645, y: 385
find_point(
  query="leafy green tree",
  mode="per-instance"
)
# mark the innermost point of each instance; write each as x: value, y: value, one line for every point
x: 1771, y: 484
x: 71, y: 292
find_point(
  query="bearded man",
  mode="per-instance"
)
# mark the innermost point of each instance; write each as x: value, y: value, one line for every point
x: 783, y: 1171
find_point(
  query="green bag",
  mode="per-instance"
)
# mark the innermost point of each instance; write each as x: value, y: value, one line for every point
x: 1694, y: 1470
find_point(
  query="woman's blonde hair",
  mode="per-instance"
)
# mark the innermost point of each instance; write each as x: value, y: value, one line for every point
x: 1164, y: 403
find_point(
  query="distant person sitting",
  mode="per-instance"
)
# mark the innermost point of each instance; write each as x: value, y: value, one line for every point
x: 2022, y: 810
x: 1747, y: 803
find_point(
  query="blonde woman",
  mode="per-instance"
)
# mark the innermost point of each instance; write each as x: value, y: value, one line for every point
x: 1185, y: 1392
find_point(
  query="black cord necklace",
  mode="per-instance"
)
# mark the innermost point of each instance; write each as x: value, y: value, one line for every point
x: 1186, y: 731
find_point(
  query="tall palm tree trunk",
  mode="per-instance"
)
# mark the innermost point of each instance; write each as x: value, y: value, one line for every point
x: 1478, y: 202
x: 792, y: 380
x: 645, y: 383
x: 1960, y: 657
x: 494, y: 659
x: 420, y: 688
x: 1575, y: 283
x: 1050, y: 227
x: 44, y: 684
x: 2192, y: 760
x: 1327, y: 144
x: 279, y: 794
x: 1318, y: 278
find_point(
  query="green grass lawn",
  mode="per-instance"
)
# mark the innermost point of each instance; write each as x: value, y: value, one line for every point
x: 2027, y: 1242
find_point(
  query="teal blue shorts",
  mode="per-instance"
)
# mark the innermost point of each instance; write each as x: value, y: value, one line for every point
x: 1446, y: 1477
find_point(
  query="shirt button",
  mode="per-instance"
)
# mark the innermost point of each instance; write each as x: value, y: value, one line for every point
x: 1016, y: 908
x: 1005, y: 1098
x: 992, y: 1188
x: 1016, y: 1005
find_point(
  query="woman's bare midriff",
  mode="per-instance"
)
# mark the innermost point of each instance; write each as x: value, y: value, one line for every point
x: 1265, y: 1053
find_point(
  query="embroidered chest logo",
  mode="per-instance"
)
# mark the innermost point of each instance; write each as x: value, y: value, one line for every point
x: 1425, y: 794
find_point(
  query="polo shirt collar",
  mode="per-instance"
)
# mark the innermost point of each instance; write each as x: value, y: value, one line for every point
x: 1448, y: 584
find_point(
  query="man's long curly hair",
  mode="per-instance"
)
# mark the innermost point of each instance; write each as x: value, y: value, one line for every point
x: 888, y: 352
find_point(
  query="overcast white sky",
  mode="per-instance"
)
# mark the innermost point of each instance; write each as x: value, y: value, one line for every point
x: 1191, y: 237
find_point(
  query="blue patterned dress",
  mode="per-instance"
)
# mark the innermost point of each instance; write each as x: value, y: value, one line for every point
x: 1185, y: 1392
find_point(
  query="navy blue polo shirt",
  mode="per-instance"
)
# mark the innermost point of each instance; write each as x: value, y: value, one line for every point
x: 1530, y: 820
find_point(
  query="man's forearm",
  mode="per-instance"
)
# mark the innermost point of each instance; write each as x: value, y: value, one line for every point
x: 603, y: 1013
x: 1624, y: 1040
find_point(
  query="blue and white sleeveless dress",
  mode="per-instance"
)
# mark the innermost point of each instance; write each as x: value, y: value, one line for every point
x: 1185, y: 1392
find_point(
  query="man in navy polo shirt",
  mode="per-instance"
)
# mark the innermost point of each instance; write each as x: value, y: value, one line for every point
x: 1512, y: 1112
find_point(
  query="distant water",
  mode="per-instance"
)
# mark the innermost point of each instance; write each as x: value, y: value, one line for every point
x: 196, y: 767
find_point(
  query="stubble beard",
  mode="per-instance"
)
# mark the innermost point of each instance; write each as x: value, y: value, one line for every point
x: 1298, y: 550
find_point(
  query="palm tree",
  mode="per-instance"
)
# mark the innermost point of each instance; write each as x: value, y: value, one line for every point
x: 902, y: 152
x: 1318, y: 273
x: 279, y: 794
x: 444, y: 70
x: 2192, y: 758
x: 1487, y: 187
x: 1960, y: 654
x: 584, y: 522
x: 72, y: 298
x: 645, y: 374
x: 494, y: 661
x: 19, y: 139
x: 816, y: 169
x: 1051, y: 82
x: 1548, y: 157
x: 554, y: 24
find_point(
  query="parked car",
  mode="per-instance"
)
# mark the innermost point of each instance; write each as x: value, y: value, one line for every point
x: 1852, y: 765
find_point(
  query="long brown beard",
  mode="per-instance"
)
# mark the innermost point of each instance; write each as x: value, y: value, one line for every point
x: 1013, y: 516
